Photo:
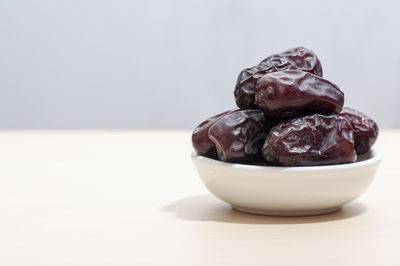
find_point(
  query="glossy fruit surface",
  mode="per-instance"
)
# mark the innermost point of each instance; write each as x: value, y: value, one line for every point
x: 311, y: 140
x: 238, y: 136
x: 365, y: 129
x: 297, y: 58
x: 288, y: 94
x: 201, y: 143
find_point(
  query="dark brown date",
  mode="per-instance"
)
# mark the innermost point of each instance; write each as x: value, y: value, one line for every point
x: 365, y: 129
x: 288, y: 94
x: 201, y: 143
x: 297, y: 58
x: 239, y: 136
x: 311, y: 140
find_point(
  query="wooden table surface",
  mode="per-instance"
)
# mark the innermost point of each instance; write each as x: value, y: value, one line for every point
x: 134, y: 198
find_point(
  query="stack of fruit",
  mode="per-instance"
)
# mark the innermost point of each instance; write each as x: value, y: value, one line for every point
x: 289, y: 115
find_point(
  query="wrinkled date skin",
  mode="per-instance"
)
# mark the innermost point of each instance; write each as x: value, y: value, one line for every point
x: 238, y: 136
x: 311, y: 140
x: 365, y: 129
x: 201, y: 143
x: 297, y: 58
x: 293, y: 93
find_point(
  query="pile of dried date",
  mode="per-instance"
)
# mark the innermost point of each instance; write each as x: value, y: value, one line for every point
x: 289, y: 115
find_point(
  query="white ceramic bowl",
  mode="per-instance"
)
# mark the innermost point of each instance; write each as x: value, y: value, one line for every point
x: 287, y: 191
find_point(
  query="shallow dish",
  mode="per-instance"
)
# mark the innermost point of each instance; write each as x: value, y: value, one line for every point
x: 287, y: 191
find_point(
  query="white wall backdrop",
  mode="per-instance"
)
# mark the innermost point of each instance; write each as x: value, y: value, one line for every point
x: 171, y: 64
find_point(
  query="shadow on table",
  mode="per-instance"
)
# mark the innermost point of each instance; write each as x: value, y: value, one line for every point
x: 209, y: 208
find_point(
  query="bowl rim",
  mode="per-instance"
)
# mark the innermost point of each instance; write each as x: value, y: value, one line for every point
x: 374, y: 158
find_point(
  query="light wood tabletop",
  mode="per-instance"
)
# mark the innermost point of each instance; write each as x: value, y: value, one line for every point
x: 134, y: 198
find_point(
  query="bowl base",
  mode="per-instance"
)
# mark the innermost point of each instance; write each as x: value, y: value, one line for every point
x: 287, y: 212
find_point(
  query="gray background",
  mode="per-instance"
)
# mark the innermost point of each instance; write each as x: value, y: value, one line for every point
x: 171, y: 64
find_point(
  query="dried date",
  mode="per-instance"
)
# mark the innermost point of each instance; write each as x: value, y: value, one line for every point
x: 288, y: 94
x: 238, y: 136
x: 365, y: 129
x: 297, y: 58
x: 201, y: 143
x: 311, y: 140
